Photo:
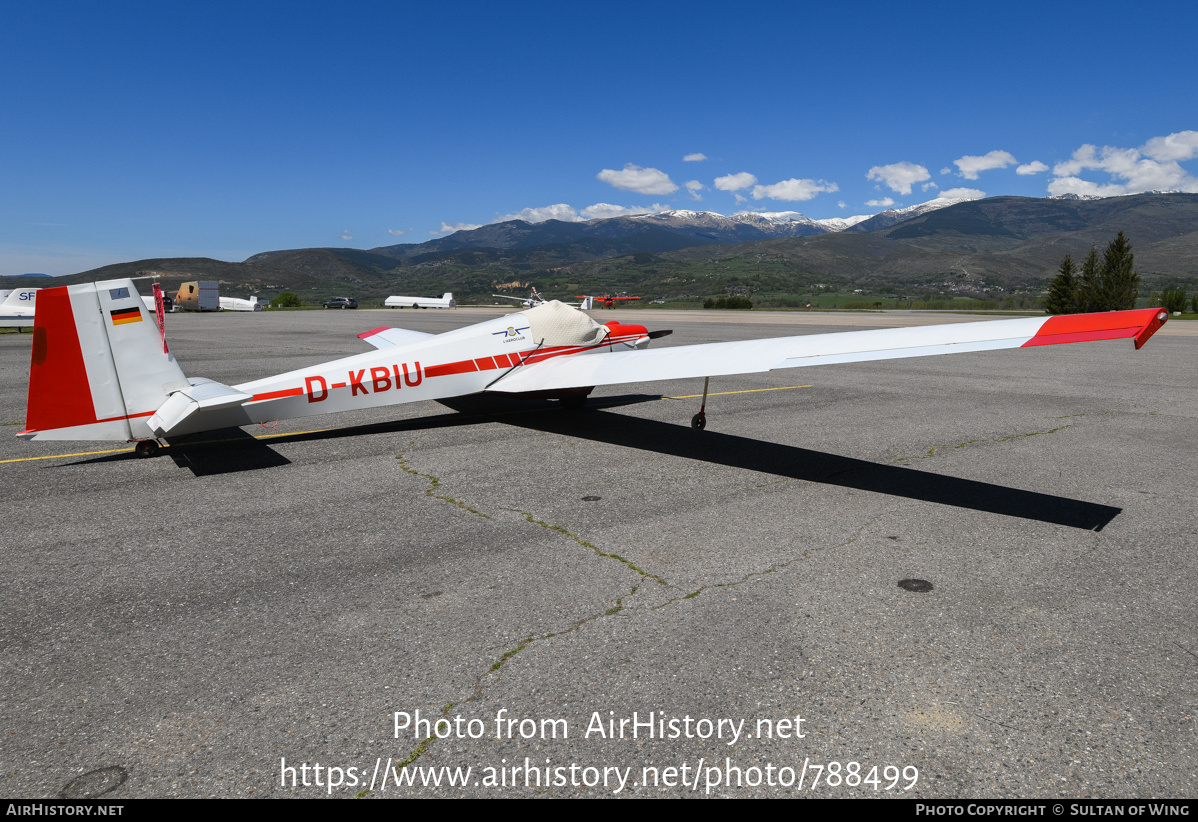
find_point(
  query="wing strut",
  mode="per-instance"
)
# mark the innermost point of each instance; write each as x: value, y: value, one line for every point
x: 699, y: 421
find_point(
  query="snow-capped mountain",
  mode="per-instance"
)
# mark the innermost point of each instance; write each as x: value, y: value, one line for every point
x: 894, y: 216
x: 769, y: 223
x: 660, y: 231
x: 842, y: 223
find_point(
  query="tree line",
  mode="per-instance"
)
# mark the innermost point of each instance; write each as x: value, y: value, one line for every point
x: 1109, y: 284
x: 1173, y: 300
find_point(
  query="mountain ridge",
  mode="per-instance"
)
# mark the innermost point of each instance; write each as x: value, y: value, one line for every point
x: 998, y: 241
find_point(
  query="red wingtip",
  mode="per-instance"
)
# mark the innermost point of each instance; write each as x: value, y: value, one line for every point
x: 1159, y: 318
x: 1104, y: 325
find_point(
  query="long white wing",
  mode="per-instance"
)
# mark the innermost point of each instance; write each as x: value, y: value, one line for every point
x: 749, y: 356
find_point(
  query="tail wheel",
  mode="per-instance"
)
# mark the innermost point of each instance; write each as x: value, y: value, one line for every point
x: 146, y: 448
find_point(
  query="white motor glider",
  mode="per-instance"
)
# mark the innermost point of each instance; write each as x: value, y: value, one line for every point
x: 446, y: 300
x: 534, y: 299
x: 17, y: 307
x: 101, y: 369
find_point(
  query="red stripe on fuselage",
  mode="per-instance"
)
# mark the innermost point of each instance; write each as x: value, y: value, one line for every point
x: 462, y: 367
x: 287, y: 392
x: 490, y: 363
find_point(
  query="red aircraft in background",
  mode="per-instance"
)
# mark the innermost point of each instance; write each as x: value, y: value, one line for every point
x: 608, y: 300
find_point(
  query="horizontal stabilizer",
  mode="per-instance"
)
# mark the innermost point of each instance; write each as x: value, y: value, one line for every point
x: 203, y: 396
x: 388, y: 337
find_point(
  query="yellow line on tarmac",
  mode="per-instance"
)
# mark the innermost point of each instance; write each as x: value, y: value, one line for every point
x: 322, y: 430
x: 60, y: 456
x: 746, y: 391
x: 293, y: 433
x: 125, y: 450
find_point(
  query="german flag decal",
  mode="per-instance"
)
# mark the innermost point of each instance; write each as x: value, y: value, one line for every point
x: 120, y: 316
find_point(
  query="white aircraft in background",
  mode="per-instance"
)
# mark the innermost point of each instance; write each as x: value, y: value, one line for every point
x: 238, y: 304
x: 444, y: 301
x: 535, y: 299
x: 100, y: 368
x: 17, y: 309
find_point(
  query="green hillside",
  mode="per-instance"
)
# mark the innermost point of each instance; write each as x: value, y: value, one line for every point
x: 1000, y: 246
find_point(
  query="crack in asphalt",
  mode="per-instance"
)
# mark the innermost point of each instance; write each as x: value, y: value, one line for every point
x: 932, y: 451
x: 434, y: 483
x: 598, y: 552
x: 494, y: 671
x: 778, y: 566
x: 492, y: 674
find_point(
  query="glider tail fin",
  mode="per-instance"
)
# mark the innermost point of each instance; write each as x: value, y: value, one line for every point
x: 99, y: 366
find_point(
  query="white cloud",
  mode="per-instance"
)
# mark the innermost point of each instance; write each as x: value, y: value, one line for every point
x: 1034, y: 167
x: 694, y: 158
x: 395, y: 232
x: 971, y: 165
x: 885, y: 202
x: 1130, y: 172
x: 927, y: 186
x: 961, y: 194
x: 899, y: 177
x: 735, y: 182
x: 345, y: 235
x: 640, y: 180
x: 1176, y: 147
x: 560, y: 211
x: 793, y: 189
x: 446, y: 228
x: 693, y: 188
x: 740, y: 199
x: 603, y: 211
x: 946, y: 170
x: 842, y: 204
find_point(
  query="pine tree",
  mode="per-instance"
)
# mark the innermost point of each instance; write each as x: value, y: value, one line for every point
x: 1120, y: 282
x: 1087, y: 291
x: 1061, y: 296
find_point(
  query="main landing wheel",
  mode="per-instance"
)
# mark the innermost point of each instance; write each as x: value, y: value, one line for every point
x: 699, y: 421
x: 146, y: 448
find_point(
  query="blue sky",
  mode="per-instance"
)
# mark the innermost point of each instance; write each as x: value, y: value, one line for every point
x: 137, y: 130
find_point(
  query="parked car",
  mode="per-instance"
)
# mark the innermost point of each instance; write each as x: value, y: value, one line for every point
x: 341, y: 302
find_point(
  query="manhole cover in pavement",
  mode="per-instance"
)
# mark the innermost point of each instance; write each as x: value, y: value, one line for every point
x: 94, y: 783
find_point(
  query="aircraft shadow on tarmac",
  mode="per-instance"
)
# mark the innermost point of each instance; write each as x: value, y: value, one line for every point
x: 221, y: 452
x: 820, y: 467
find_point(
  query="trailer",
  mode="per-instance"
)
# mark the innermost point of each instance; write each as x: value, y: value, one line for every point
x: 444, y: 301
x: 198, y: 296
